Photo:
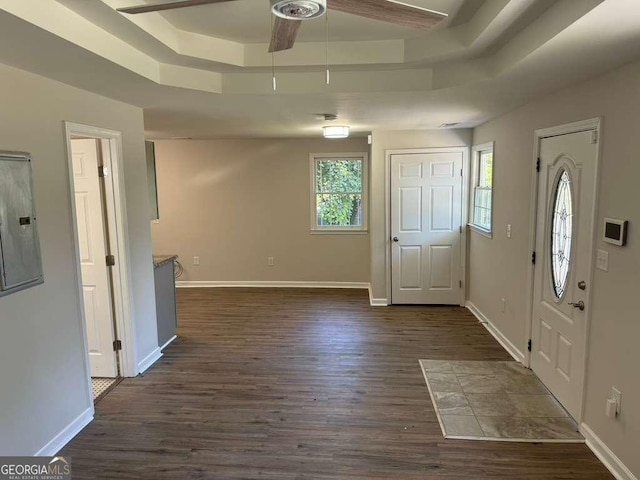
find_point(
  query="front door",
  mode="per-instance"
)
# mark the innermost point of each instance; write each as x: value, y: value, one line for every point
x: 566, y: 189
x: 426, y: 220
x: 92, y: 241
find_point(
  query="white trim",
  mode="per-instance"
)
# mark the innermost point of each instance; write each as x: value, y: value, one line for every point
x: 517, y: 355
x: 565, y: 129
x: 149, y: 360
x: 377, y: 302
x: 168, y: 342
x: 111, y: 142
x: 315, y: 229
x: 605, y: 455
x: 58, y: 442
x: 463, y: 219
x: 270, y: 284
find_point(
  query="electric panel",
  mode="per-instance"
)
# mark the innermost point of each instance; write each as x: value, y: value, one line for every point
x: 20, y: 262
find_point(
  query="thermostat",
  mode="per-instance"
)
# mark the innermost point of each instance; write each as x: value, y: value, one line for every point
x: 615, y: 231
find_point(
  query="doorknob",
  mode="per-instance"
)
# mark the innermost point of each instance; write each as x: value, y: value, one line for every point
x: 395, y: 239
x: 579, y: 305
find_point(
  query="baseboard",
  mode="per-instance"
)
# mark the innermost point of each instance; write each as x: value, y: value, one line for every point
x: 377, y: 302
x: 168, y: 343
x: 605, y: 455
x: 58, y: 442
x: 517, y: 355
x: 149, y: 360
x: 271, y: 284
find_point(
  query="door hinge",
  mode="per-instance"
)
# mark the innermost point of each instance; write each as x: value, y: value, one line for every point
x: 538, y: 165
x: 594, y: 136
x: 460, y: 283
x: 460, y: 228
x: 117, y: 345
x: 111, y: 260
x: 533, y: 258
x: 461, y: 174
x: 529, y: 345
x: 103, y: 171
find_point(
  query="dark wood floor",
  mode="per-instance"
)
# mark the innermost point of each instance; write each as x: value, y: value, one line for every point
x: 303, y: 384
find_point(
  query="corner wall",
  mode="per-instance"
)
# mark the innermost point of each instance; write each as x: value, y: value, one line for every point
x: 498, y: 267
x: 233, y: 203
x: 42, y: 359
x: 383, y: 140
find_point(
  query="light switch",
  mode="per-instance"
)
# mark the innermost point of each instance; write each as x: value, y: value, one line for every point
x: 508, y: 230
x: 602, y: 260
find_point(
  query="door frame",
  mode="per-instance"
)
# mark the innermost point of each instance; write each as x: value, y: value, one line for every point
x: 118, y: 237
x: 463, y: 218
x: 592, y: 124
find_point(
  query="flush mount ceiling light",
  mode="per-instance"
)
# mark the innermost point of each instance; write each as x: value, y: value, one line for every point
x: 299, y: 9
x: 335, y: 131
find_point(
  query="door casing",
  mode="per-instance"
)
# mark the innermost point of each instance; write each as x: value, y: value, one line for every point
x: 593, y: 124
x: 464, y: 217
x: 111, y: 143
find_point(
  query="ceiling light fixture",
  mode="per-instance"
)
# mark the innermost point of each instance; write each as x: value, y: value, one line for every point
x: 335, y: 131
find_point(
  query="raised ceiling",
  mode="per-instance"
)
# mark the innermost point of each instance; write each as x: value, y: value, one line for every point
x: 204, y: 72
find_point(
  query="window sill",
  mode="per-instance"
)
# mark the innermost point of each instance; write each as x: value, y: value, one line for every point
x: 480, y: 230
x: 339, y: 232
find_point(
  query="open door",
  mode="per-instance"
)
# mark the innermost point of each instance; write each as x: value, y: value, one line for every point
x: 93, y: 246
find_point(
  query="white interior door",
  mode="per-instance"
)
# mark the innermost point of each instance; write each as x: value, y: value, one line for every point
x: 566, y: 192
x: 93, y: 251
x: 426, y: 219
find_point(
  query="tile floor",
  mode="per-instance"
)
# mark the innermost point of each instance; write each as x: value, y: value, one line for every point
x: 100, y: 386
x: 488, y: 400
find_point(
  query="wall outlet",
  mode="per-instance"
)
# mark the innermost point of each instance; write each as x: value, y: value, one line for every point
x: 508, y: 230
x: 503, y: 305
x: 617, y: 397
x: 602, y: 260
x: 196, y: 260
x: 271, y: 261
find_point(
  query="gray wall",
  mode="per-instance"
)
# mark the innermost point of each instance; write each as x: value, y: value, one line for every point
x: 498, y: 266
x: 42, y: 358
x: 233, y: 203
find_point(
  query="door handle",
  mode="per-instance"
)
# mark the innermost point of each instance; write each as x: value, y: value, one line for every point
x: 579, y: 305
x: 395, y: 239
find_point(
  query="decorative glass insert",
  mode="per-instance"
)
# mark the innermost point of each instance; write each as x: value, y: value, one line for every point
x: 561, y: 234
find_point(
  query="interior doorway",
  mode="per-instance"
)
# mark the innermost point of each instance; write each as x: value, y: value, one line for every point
x: 563, y: 259
x: 96, y: 185
x: 426, y: 238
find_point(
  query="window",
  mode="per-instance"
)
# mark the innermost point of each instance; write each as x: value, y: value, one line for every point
x: 482, y: 189
x: 561, y: 234
x: 339, y: 192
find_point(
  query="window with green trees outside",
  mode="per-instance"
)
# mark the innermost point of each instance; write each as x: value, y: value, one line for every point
x: 339, y: 192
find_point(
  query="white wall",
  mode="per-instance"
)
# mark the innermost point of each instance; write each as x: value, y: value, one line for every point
x: 384, y: 140
x: 498, y: 266
x: 233, y: 203
x: 43, y: 373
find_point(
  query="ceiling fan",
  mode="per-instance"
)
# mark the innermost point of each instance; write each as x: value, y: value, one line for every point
x: 291, y: 13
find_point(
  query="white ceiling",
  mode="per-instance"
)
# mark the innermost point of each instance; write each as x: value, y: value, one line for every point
x: 199, y: 74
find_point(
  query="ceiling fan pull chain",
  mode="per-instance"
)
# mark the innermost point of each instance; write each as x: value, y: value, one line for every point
x: 326, y: 20
x: 273, y: 63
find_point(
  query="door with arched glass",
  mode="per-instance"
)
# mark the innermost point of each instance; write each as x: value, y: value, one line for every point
x: 566, y: 190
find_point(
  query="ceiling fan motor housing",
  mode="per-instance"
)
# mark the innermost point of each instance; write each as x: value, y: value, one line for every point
x: 299, y: 9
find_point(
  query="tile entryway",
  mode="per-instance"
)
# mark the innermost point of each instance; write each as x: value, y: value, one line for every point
x: 488, y: 400
x: 102, y: 386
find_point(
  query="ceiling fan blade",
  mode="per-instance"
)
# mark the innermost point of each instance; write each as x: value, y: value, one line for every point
x: 389, y: 11
x: 284, y: 34
x: 146, y: 8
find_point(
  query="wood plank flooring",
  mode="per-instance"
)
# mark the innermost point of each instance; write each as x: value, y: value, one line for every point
x: 304, y: 384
